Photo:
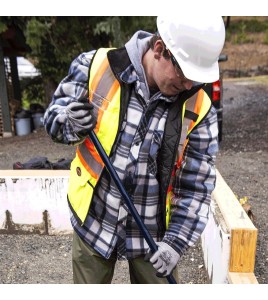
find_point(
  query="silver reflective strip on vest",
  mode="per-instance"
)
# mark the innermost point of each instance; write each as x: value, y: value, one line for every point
x: 105, y: 82
x: 98, y: 97
x: 90, y: 160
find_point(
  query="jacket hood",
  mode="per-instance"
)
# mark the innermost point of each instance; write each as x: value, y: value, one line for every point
x: 136, y: 47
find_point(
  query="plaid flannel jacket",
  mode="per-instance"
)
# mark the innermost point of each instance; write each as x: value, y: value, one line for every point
x: 109, y: 227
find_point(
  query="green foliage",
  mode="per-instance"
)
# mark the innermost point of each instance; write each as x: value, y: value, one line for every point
x: 242, y: 37
x: 36, y: 31
x: 57, y: 41
x: 266, y: 37
x: 120, y: 29
x: 32, y: 92
x: 3, y: 27
x: 4, y: 23
x: 240, y: 31
x: 253, y: 25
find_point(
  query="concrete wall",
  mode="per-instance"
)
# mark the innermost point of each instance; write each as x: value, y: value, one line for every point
x: 34, y: 204
x: 216, y: 246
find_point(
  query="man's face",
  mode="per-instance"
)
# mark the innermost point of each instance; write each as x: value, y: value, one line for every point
x: 168, y: 77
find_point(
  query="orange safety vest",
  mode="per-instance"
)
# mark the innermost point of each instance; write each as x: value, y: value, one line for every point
x: 104, y: 94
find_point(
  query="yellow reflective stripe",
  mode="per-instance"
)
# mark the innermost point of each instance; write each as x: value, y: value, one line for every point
x: 200, y: 104
x: 168, y: 201
x: 189, y: 105
x: 202, y: 107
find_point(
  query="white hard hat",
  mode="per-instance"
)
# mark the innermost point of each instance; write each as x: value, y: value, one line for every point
x: 195, y: 43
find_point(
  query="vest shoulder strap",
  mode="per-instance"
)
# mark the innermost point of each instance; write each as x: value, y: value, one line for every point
x: 104, y: 94
x: 194, y: 111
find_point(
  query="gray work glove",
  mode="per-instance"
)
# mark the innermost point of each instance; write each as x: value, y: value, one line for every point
x: 164, y: 260
x: 81, y: 118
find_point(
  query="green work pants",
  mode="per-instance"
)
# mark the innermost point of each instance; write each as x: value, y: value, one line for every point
x: 91, y: 267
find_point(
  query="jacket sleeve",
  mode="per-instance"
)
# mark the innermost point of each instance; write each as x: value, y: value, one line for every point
x: 74, y: 87
x: 193, y: 185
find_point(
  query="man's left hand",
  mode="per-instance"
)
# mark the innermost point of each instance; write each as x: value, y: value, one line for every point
x: 164, y: 260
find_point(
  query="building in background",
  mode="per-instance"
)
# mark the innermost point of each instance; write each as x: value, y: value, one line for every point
x: 12, y: 45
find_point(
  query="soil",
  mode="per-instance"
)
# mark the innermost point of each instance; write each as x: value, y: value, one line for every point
x: 245, y: 60
x: 242, y: 161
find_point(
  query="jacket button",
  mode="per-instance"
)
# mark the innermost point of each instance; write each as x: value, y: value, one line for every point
x: 78, y: 171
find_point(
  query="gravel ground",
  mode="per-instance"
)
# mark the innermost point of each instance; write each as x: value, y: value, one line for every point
x: 243, y: 157
x: 242, y: 161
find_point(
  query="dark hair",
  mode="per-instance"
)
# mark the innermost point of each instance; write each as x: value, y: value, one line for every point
x: 153, y: 40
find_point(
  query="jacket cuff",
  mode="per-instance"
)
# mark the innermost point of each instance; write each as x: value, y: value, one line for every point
x: 177, y: 244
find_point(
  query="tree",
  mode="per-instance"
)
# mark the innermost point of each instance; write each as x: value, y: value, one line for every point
x: 56, y: 41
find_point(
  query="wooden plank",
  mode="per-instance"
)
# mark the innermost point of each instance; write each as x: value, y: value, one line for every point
x: 243, y: 231
x: 242, y: 278
x: 233, y: 213
x: 243, y: 250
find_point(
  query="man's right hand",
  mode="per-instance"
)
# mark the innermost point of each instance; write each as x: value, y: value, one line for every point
x: 81, y: 118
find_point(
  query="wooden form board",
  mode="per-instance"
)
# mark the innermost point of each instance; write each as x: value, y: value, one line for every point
x: 230, y: 227
x: 243, y: 232
x: 242, y: 278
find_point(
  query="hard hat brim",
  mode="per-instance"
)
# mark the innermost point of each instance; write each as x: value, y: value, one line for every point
x: 198, y: 73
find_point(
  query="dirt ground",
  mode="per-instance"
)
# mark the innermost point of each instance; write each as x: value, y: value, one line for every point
x: 245, y: 59
x: 242, y: 161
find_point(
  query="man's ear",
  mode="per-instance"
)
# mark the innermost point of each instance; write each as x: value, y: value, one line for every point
x: 159, y: 48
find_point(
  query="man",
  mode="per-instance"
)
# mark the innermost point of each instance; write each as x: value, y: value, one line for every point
x: 145, y: 103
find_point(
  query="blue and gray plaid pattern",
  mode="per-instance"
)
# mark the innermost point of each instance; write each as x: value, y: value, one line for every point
x: 109, y: 227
